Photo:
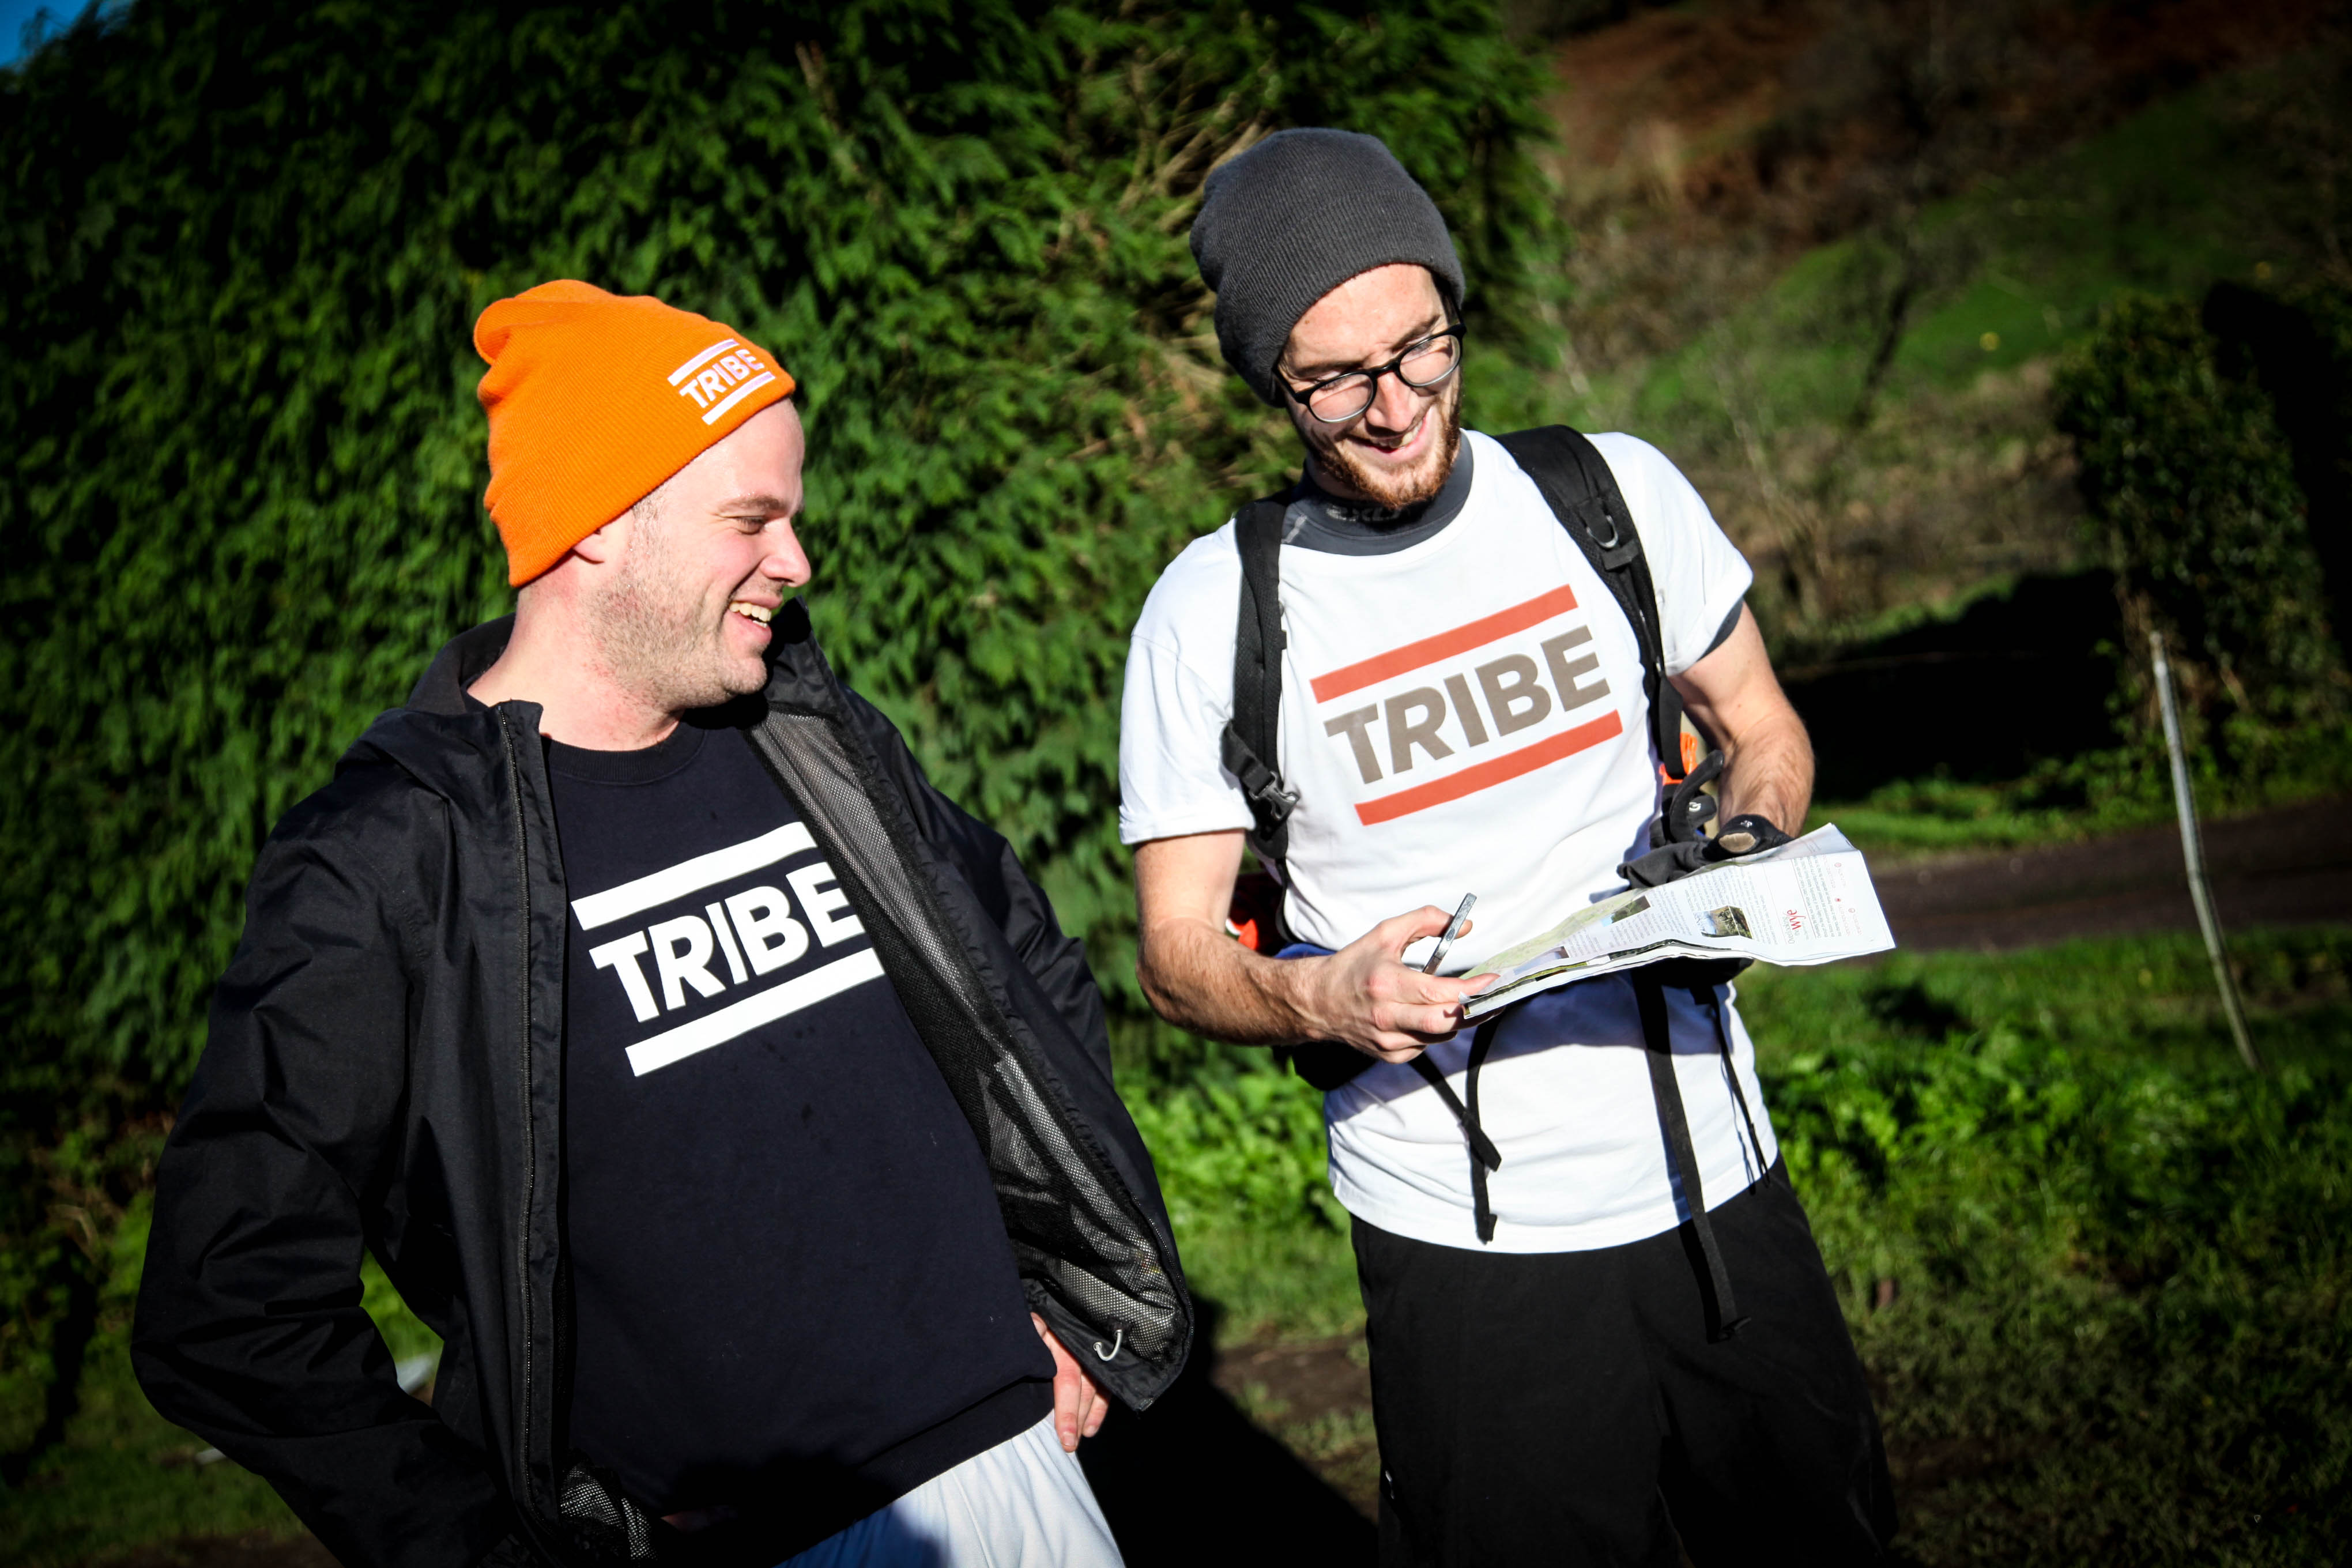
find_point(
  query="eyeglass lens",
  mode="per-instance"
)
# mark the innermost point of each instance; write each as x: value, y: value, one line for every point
x: 1424, y: 365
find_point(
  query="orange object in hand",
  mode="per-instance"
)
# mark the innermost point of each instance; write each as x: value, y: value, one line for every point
x: 1255, y: 915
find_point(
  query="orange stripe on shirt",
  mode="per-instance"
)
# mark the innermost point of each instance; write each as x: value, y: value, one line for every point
x: 1444, y: 645
x: 1487, y: 774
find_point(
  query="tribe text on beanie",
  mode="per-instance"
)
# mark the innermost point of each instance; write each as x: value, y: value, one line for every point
x: 594, y: 399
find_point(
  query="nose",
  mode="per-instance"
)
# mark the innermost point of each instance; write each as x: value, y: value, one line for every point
x: 785, y: 561
x: 1394, y: 404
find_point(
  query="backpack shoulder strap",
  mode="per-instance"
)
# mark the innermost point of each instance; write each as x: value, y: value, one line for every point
x: 1575, y: 479
x: 1249, y: 748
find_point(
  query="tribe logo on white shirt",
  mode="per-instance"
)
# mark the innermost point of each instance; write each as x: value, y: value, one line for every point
x: 721, y: 377
x: 1463, y: 686
x: 745, y: 931
x: 1464, y: 714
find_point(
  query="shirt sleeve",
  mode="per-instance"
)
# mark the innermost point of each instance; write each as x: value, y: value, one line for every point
x: 1179, y: 697
x: 1699, y: 574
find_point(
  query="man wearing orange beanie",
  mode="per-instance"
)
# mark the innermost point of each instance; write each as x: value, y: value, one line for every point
x: 728, y: 1100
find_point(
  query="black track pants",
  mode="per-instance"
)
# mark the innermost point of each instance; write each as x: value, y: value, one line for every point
x: 1558, y: 1407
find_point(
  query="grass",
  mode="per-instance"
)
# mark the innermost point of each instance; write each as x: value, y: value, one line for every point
x: 1239, y: 1146
x: 2099, y: 1272
x: 2119, y: 1299
x: 1947, y: 475
x: 124, y: 1477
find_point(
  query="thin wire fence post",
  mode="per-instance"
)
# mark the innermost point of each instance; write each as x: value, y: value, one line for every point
x: 2193, y: 850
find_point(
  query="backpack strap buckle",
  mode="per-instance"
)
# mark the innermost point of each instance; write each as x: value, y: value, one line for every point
x: 1269, y: 801
x: 1621, y: 545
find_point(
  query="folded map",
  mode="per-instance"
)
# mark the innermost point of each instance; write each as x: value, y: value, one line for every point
x: 1808, y: 902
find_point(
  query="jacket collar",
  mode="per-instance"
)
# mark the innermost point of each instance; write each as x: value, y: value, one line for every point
x: 799, y: 679
x: 443, y: 738
x: 460, y: 663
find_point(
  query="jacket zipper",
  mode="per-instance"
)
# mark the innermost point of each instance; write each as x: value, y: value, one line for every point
x: 529, y: 1413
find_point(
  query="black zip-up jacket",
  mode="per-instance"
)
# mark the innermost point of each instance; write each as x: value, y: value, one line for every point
x: 383, y: 1072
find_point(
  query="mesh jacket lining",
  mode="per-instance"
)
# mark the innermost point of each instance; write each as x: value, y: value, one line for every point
x: 1022, y: 1125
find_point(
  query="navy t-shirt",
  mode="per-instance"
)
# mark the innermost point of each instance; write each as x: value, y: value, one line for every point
x: 791, y: 1282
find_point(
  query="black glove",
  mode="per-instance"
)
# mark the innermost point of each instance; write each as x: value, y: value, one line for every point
x: 1743, y: 834
x: 1678, y: 840
x: 1667, y: 863
x: 1684, y: 818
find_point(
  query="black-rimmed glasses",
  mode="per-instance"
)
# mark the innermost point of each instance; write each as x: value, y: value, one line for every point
x: 1423, y: 365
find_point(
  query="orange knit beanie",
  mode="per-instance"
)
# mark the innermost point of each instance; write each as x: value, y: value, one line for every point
x: 594, y: 399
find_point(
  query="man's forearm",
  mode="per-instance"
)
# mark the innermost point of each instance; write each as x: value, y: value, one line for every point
x: 1201, y: 979
x: 1768, y: 773
x: 1204, y: 981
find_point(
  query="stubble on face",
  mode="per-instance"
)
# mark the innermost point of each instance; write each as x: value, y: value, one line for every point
x: 1389, y: 487
x: 655, y: 637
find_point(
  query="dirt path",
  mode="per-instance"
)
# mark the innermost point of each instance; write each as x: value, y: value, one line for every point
x: 1317, y: 1398
x: 2289, y: 866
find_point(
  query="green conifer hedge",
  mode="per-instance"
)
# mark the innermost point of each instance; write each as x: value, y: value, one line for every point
x: 240, y: 491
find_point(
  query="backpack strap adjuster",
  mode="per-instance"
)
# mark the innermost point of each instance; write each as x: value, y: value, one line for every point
x: 1621, y: 547
x: 1270, y: 804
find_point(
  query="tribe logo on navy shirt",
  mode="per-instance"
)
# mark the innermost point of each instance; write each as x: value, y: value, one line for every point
x: 735, y: 925
x: 784, y: 1245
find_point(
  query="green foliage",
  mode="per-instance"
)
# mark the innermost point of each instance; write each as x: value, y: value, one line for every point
x: 2193, y: 492
x: 1239, y: 1145
x: 1750, y: 370
x: 2098, y: 1269
x: 246, y: 246
x: 123, y: 1477
x: 2115, y: 1319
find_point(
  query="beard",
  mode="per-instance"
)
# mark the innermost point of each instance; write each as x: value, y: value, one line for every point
x: 1396, y: 489
x: 657, y: 639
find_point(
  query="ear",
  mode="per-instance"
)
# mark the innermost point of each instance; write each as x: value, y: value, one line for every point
x: 606, y: 544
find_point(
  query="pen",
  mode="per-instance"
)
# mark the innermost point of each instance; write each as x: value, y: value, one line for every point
x: 1452, y: 929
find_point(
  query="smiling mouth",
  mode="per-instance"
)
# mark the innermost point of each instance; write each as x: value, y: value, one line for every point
x: 1395, y: 444
x: 763, y: 614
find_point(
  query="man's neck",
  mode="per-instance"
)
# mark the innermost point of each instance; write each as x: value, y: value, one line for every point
x: 1320, y: 474
x: 579, y: 703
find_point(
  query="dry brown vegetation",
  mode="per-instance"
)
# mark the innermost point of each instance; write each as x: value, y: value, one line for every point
x: 1706, y: 149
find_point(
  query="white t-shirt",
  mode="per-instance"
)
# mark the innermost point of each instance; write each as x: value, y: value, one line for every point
x: 1466, y: 715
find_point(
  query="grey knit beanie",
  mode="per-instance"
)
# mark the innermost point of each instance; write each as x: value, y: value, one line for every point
x: 1292, y: 219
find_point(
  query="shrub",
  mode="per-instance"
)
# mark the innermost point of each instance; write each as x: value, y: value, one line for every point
x: 2298, y: 348
x: 2191, y: 490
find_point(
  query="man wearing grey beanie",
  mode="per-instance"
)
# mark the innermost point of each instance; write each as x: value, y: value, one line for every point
x: 1443, y: 663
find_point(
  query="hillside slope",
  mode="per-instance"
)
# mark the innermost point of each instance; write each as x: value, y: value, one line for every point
x: 1827, y: 251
